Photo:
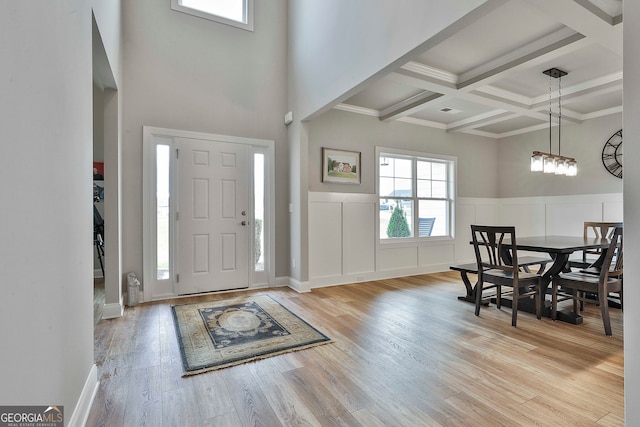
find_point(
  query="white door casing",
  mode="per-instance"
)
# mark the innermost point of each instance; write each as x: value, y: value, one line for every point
x: 235, y: 268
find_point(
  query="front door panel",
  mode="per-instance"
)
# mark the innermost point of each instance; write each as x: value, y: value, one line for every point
x: 212, y: 224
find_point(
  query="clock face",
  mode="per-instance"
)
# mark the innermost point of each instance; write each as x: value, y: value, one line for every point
x: 612, y: 154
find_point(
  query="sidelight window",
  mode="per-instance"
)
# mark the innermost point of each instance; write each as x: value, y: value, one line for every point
x: 162, y: 212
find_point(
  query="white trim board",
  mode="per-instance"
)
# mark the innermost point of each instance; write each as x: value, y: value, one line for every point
x: 83, y: 406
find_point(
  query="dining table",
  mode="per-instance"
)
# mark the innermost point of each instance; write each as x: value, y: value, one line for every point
x: 560, y: 249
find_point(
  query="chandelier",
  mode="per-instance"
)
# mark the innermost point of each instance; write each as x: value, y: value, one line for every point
x: 549, y: 162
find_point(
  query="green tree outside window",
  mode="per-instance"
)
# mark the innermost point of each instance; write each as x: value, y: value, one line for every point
x: 398, y: 225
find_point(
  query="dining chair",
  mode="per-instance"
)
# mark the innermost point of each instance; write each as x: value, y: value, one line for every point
x: 583, y: 284
x: 425, y: 226
x: 589, y: 256
x: 491, y: 244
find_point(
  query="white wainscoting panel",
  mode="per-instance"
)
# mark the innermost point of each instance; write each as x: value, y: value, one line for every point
x: 529, y: 219
x: 487, y: 213
x: 359, y: 237
x: 436, y: 255
x: 397, y: 258
x: 325, y: 239
x: 344, y: 246
x: 465, y: 216
x: 612, y: 211
x: 568, y: 218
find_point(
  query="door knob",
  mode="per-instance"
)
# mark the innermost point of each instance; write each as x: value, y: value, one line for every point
x: 244, y: 213
x: 244, y: 223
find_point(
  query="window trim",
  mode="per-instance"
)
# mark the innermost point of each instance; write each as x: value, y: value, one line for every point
x: 453, y: 183
x: 247, y: 25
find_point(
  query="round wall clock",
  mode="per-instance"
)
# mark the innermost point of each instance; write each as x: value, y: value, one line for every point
x: 612, y: 154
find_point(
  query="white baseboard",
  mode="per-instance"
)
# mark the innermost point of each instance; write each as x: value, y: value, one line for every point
x: 280, y: 282
x: 113, y: 310
x: 299, y: 286
x: 81, y: 412
x: 322, y: 282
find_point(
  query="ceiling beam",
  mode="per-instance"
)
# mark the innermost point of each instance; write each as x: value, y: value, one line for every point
x: 495, y: 116
x: 540, y: 50
x: 408, y: 106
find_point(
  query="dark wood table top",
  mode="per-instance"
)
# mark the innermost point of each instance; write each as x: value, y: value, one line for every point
x: 559, y: 244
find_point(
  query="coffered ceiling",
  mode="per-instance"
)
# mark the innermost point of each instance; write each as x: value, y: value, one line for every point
x: 487, y: 79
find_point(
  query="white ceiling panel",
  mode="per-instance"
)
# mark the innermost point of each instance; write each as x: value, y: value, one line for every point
x: 592, y: 105
x: 492, y: 36
x: 489, y: 75
x: 382, y: 94
x: 456, y: 109
x: 512, y: 125
x: 583, y: 65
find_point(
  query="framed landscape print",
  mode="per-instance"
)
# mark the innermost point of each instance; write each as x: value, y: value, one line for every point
x: 340, y: 166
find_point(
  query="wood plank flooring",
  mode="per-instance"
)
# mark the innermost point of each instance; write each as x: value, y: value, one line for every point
x: 406, y: 352
x: 98, y: 299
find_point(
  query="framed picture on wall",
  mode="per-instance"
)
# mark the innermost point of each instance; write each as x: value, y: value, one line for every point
x: 340, y: 166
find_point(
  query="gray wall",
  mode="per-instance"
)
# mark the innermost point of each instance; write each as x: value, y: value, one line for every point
x: 584, y: 142
x: 188, y: 73
x: 477, y: 156
x: 631, y: 98
x: 334, y: 48
x: 98, y: 125
x: 338, y: 45
x: 46, y: 264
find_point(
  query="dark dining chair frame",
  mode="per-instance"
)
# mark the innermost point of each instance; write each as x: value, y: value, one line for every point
x: 490, y: 243
x: 591, y: 256
x: 582, y: 284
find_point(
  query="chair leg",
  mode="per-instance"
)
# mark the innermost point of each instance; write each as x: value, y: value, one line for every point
x: 514, y: 305
x: 604, y: 311
x: 498, y: 296
x: 539, y: 298
x: 554, y: 301
x: 478, y: 297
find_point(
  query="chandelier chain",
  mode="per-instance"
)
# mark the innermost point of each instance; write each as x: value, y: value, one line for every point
x: 549, y: 114
x: 559, y: 111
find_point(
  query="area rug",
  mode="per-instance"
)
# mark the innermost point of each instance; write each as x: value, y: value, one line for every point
x: 219, y: 334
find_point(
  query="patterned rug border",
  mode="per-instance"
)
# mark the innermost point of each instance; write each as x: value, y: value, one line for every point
x: 241, y: 360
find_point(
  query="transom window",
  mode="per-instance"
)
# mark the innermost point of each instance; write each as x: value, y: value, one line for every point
x: 237, y: 13
x: 416, y: 195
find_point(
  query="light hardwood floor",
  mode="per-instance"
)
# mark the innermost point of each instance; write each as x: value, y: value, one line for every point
x: 98, y: 299
x: 405, y: 352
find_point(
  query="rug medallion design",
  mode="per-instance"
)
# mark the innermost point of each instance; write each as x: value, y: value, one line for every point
x: 218, y: 334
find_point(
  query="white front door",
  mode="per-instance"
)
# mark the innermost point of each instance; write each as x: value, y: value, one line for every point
x: 212, y: 220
